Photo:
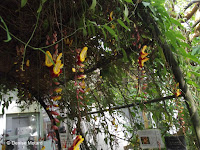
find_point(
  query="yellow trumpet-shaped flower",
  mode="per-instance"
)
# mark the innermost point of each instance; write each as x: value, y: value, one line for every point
x: 178, y: 92
x: 142, y: 57
x: 55, y: 98
x: 143, y: 49
x: 59, y: 57
x: 142, y: 61
x: 83, y: 54
x: 57, y: 67
x: 58, y: 90
x: 142, y: 53
x: 110, y: 16
x: 68, y: 42
x: 77, y: 142
x: 82, y: 84
x: 73, y: 70
x: 48, y: 59
x: 28, y: 63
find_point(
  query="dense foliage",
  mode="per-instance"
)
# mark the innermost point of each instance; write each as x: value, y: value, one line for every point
x: 124, y: 65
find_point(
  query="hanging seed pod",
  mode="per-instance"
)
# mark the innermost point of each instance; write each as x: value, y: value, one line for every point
x: 54, y: 113
x: 55, y: 127
x: 56, y: 120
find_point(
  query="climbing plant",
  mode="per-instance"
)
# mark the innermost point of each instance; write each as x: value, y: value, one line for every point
x: 89, y: 57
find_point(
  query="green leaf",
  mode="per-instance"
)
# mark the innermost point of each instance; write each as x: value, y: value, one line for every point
x: 45, y: 25
x: 84, y: 32
x: 129, y: 1
x: 104, y: 33
x: 88, y: 27
x: 94, y: 3
x: 195, y: 50
x: 93, y: 30
x: 192, y: 83
x: 178, y: 35
x: 174, y: 21
x: 106, y: 140
x: 122, y: 24
x: 23, y: 3
x: 146, y: 4
x: 184, y: 45
x: 111, y: 31
x: 124, y: 55
x: 6, y: 28
x: 187, y: 55
x: 43, y: 1
x: 39, y: 9
x: 125, y: 12
x: 196, y: 74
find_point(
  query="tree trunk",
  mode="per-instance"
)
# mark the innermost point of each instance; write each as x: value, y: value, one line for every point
x: 191, y: 106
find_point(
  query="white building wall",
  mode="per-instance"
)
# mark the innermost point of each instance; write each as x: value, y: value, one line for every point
x: 14, y: 109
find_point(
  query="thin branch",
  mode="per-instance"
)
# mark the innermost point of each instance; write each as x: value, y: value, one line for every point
x: 195, y: 23
x: 186, y: 7
x: 133, y: 104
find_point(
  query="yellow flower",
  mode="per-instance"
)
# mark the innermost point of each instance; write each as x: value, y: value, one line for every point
x: 43, y: 148
x: 73, y: 70
x: 81, y: 69
x: 142, y: 57
x: 83, y: 54
x: 82, y: 84
x: 77, y: 142
x: 178, y: 92
x: 87, y: 90
x: 55, y: 98
x: 59, y: 56
x: 112, y: 26
x: 68, y: 42
x: 58, y: 90
x: 142, y: 53
x: 82, y: 76
x: 57, y: 67
x: 48, y: 59
x: 27, y: 63
x: 143, y: 49
x: 110, y: 16
x: 142, y: 61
